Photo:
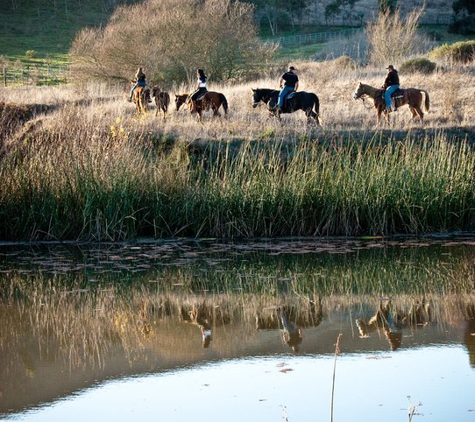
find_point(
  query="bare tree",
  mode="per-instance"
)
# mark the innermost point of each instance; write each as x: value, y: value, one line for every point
x: 171, y: 39
x: 392, y: 38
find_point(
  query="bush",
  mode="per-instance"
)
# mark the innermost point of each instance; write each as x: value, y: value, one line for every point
x: 460, y: 52
x: 345, y: 62
x: 418, y: 65
x: 31, y: 54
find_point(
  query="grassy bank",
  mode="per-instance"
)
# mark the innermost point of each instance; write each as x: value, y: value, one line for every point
x: 77, y: 163
x: 114, y: 189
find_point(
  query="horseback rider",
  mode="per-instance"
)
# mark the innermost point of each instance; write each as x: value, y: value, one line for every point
x: 200, y: 85
x: 288, y: 82
x: 139, y: 81
x: 391, y: 84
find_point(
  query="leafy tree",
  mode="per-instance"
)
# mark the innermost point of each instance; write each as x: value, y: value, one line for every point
x: 463, y: 19
x: 171, y: 39
x: 387, y: 6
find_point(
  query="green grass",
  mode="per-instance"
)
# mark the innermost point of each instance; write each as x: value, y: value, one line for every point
x: 263, y: 189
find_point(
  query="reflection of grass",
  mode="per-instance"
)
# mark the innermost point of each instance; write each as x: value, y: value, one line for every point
x: 81, y: 323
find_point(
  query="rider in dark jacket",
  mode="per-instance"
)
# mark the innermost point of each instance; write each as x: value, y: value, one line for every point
x: 391, y: 84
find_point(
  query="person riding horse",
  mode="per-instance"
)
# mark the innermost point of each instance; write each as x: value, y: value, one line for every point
x: 391, y: 84
x: 289, y: 82
x: 139, y: 81
x: 200, y: 85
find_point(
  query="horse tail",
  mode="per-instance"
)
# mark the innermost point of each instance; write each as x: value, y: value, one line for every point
x: 317, y: 105
x: 224, y: 102
x: 427, y: 101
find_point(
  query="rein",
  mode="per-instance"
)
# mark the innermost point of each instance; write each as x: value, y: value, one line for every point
x: 366, y: 106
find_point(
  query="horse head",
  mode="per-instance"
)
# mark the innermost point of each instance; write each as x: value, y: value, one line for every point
x: 262, y: 94
x: 155, y: 91
x: 256, y: 98
x: 180, y: 99
x: 359, y: 91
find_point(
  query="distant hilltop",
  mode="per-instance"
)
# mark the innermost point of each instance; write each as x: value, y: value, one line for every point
x: 436, y: 12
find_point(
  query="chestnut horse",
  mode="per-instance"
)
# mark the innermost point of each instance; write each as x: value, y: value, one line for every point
x: 305, y: 101
x: 140, y: 98
x: 162, y: 100
x: 209, y: 101
x: 410, y: 96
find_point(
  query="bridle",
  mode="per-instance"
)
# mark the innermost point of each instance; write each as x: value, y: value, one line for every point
x: 265, y: 98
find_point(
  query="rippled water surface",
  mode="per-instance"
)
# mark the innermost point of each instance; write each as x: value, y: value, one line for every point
x: 118, y: 332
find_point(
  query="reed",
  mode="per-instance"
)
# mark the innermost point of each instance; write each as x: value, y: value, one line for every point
x: 115, y: 189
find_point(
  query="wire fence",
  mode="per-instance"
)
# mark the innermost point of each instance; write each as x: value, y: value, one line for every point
x: 37, y: 74
x: 318, y: 37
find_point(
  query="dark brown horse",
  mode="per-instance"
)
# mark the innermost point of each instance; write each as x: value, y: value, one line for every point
x: 209, y: 101
x: 162, y: 100
x: 140, y: 98
x: 308, y: 102
x: 410, y: 96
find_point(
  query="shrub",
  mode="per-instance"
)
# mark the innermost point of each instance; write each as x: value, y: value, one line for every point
x: 459, y: 52
x: 345, y: 62
x: 31, y: 54
x: 418, y: 65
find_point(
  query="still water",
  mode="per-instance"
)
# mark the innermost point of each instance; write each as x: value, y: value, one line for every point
x: 296, y: 330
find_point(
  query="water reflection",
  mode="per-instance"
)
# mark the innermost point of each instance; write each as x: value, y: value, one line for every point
x: 76, y: 315
x: 392, y: 321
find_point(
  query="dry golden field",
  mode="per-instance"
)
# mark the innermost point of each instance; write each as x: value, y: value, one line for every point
x: 94, y: 108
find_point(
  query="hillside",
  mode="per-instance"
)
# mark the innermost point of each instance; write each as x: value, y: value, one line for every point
x: 48, y: 26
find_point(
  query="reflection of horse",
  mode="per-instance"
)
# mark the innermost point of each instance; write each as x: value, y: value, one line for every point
x: 305, y: 101
x: 291, y: 319
x: 140, y: 98
x: 209, y: 101
x: 162, y: 100
x: 393, y: 321
x: 410, y: 96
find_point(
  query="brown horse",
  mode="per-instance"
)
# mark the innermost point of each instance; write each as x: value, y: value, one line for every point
x: 162, y: 100
x: 410, y: 96
x: 209, y: 101
x: 140, y: 98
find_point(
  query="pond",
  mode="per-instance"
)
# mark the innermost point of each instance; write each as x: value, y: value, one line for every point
x: 287, y: 329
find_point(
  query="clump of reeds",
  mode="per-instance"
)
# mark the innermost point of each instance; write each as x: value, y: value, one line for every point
x: 107, y: 185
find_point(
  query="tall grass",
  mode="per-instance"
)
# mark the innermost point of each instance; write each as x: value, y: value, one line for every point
x: 114, y: 187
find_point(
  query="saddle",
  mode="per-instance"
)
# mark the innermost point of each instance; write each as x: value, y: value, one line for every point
x: 398, y: 93
x: 288, y: 97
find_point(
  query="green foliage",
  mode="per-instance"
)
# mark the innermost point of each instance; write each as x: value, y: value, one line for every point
x: 31, y: 54
x: 418, y: 65
x: 459, y: 52
x: 387, y: 6
x: 110, y: 188
x: 463, y: 21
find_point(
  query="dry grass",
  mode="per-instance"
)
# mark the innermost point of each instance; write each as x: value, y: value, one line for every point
x: 451, y: 93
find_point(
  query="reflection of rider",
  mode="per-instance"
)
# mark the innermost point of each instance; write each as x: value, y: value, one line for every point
x: 291, y: 333
x: 200, y: 85
x: 139, y: 81
x: 391, y: 84
x: 289, y: 82
x: 204, y: 325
